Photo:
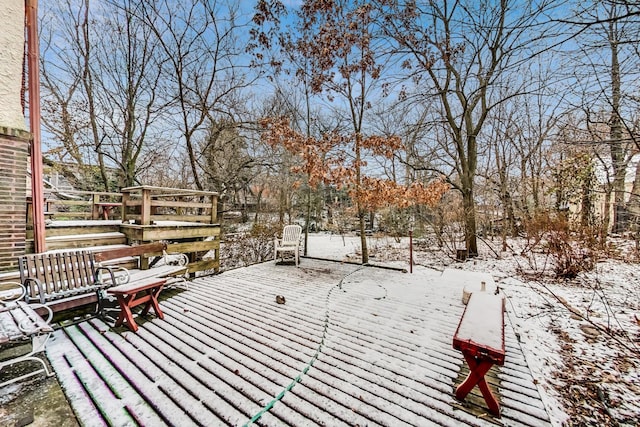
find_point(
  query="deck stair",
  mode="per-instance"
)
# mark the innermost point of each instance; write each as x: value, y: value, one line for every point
x: 189, y: 238
x: 62, y: 235
x: 86, y: 240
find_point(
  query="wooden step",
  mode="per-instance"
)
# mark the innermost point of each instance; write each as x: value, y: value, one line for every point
x: 66, y: 228
x: 85, y: 240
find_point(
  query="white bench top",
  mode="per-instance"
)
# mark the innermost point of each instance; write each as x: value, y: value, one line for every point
x: 482, y: 323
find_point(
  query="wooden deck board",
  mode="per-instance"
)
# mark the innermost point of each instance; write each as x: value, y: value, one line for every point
x: 366, y: 355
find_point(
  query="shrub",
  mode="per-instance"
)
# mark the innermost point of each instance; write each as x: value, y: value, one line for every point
x: 242, y: 249
x: 571, y: 250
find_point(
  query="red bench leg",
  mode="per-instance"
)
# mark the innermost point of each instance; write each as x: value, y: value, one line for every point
x: 478, y: 369
x: 153, y: 302
x: 125, y: 315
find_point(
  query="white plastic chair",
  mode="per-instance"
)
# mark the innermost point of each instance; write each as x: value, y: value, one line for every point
x: 290, y: 242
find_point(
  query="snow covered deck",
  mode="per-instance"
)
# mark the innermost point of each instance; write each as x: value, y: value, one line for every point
x: 370, y: 346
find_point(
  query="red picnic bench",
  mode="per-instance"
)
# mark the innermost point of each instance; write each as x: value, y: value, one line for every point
x: 126, y: 296
x: 480, y: 337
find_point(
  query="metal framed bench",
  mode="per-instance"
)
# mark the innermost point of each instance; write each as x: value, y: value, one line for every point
x: 480, y: 338
x: 20, y: 323
x: 70, y: 279
x: 175, y: 266
x: 63, y: 280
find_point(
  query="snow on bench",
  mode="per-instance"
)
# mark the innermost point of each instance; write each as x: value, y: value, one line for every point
x: 174, y: 264
x: 19, y: 322
x: 480, y: 337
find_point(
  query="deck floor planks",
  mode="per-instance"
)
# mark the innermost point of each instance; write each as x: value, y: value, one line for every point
x: 63, y: 356
x: 134, y: 404
x: 254, y: 360
x: 186, y: 373
x: 266, y: 322
x: 226, y: 348
x: 173, y: 382
x: 246, y: 399
x: 254, y: 340
x: 414, y: 400
x: 137, y: 370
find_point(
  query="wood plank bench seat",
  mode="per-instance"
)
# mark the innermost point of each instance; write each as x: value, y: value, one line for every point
x: 161, y: 271
x: 127, y: 299
x: 62, y: 280
x: 480, y: 338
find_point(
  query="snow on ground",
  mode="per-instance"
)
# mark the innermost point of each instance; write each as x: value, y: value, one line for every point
x: 581, y: 338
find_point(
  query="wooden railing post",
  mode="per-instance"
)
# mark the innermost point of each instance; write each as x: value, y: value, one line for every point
x: 214, y: 208
x: 125, y: 201
x: 95, y: 207
x: 145, y: 209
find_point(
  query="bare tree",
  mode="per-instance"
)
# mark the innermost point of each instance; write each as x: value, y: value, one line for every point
x: 460, y: 54
x: 337, y: 39
x: 68, y: 111
x: 227, y: 164
x: 606, y: 65
x: 112, y: 69
x: 202, y: 48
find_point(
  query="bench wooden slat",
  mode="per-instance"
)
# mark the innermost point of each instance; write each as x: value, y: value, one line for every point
x: 62, y: 277
x: 36, y: 265
x: 8, y: 329
x: 53, y: 273
x: 73, y: 264
x: 18, y: 314
x: 160, y: 271
x: 68, y: 274
x: 18, y: 322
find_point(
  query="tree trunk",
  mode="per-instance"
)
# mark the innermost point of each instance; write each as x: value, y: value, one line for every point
x: 633, y: 206
x: 469, y: 221
x: 586, y: 204
x: 618, y: 157
x: 361, y: 213
x: 363, y: 238
x: 467, y: 181
x: 307, y: 220
x: 606, y: 215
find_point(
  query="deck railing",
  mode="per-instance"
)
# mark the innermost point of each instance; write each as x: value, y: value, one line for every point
x: 186, y: 219
x: 141, y: 204
x: 146, y: 204
x: 87, y: 205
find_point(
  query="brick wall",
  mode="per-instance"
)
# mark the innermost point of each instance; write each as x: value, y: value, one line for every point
x: 14, y: 145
